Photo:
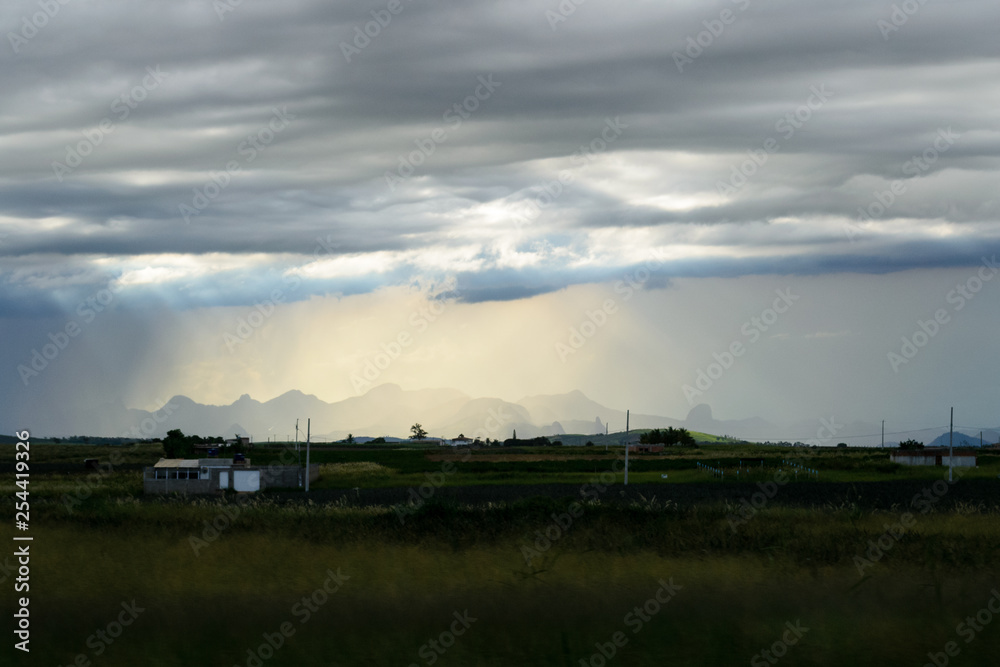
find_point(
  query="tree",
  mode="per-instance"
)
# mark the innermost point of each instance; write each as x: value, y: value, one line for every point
x: 418, y: 432
x: 669, y: 436
x: 911, y: 444
x: 350, y: 439
x: 176, y: 445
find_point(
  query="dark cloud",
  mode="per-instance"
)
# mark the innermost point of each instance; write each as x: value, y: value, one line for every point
x: 554, y: 87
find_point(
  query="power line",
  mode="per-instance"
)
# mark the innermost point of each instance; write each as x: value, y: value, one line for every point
x: 871, y: 435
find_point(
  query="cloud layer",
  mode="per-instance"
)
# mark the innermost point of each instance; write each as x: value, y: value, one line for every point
x: 527, y: 147
x: 184, y: 158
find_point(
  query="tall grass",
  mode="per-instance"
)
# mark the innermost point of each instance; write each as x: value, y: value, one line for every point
x: 216, y: 574
x: 737, y: 593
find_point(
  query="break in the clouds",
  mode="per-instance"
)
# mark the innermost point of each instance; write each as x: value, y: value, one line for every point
x: 201, y: 154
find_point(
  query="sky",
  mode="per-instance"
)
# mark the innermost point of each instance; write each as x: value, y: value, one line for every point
x: 780, y: 209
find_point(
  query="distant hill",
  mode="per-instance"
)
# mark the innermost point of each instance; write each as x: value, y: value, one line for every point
x: 964, y: 439
x: 384, y: 411
x: 388, y: 411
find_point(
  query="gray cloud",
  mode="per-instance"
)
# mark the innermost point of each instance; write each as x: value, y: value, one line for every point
x: 848, y: 188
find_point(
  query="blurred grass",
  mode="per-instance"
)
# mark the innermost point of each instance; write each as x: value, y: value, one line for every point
x: 407, y: 579
x: 213, y: 607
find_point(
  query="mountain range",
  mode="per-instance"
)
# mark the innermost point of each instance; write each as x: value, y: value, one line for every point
x: 388, y: 410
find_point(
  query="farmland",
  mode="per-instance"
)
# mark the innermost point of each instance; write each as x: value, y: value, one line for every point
x: 544, y: 548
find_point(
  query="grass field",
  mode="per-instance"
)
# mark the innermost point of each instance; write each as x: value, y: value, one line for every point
x: 529, y: 582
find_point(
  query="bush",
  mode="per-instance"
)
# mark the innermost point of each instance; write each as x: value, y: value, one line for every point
x: 668, y: 436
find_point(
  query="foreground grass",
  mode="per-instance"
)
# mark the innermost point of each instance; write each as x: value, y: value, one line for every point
x: 214, y: 577
x: 210, y: 604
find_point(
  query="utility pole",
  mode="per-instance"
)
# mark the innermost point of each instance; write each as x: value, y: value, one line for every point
x: 298, y: 451
x: 626, y: 447
x: 308, y: 435
x: 951, y: 451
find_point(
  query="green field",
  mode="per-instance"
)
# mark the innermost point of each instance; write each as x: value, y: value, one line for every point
x: 546, y: 582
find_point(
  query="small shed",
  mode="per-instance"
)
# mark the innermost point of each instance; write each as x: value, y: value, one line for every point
x: 645, y: 449
x: 200, y: 476
x: 935, y: 456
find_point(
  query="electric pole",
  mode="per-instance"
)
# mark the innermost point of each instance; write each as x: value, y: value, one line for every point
x: 308, y: 435
x: 951, y: 451
x: 626, y: 447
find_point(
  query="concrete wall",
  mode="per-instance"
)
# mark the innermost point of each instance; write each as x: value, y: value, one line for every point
x: 289, y: 477
x: 960, y: 461
x: 914, y: 459
x: 186, y: 486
